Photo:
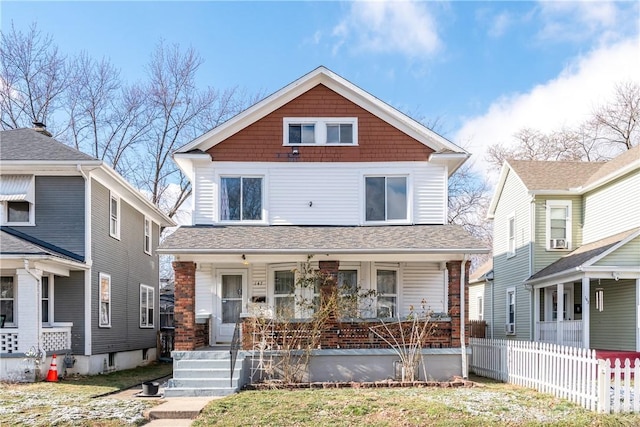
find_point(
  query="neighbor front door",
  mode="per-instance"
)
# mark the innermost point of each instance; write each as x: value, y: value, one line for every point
x: 231, y: 290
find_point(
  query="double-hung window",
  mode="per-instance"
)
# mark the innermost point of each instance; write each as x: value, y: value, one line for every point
x: 558, y: 224
x: 511, y: 235
x: 114, y: 216
x: 387, y: 287
x: 510, y: 327
x: 147, y: 236
x: 105, y: 300
x: 45, y: 298
x: 284, y: 293
x: 7, y: 300
x: 147, y: 305
x: 241, y: 198
x: 320, y: 131
x: 386, y: 198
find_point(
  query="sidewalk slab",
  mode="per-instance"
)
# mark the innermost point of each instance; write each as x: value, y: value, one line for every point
x: 178, y: 408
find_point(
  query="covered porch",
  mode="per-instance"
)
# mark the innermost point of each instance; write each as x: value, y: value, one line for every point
x: 590, y: 298
x: 29, y: 329
x: 231, y: 279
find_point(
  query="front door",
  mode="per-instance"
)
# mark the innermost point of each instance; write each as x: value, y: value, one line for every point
x: 231, y: 289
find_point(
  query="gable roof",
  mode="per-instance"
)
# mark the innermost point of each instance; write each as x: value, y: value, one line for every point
x: 27, y: 144
x: 343, y: 87
x: 585, y: 255
x: 21, y: 149
x: 564, y: 177
x: 483, y: 273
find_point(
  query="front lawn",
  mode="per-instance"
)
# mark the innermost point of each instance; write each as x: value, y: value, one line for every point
x: 488, y: 404
x: 78, y: 400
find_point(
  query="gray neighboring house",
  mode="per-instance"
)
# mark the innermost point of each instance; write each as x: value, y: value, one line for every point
x: 566, y: 258
x: 78, y: 261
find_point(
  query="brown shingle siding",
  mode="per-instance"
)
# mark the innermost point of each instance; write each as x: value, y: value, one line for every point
x: 377, y: 140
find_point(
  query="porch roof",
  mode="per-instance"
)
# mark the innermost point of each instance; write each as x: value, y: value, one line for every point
x: 14, y: 243
x: 415, y: 239
x: 583, y: 255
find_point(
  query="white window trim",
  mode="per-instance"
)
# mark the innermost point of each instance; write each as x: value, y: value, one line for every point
x: 511, y: 290
x: 271, y: 289
x: 113, y: 196
x: 150, y: 319
x: 555, y: 204
x: 320, y: 130
x: 49, y: 299
x: 147, y: 237
x: 263, y: 202
x: 409, y: 199
x: 107, y: 277
x: 480, y: 307
x: 32, y: 214
x: 511, y: 251
x: 397, y: 294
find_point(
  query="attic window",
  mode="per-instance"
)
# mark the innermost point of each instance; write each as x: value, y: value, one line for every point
x: 320, y: 131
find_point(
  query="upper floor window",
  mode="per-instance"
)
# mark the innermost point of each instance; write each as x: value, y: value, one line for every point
x: 511, y: 236
x: 320, y: 130
x: 147, y: 236
x: 386, y: 198
x: 114, y: 216
x: 17, y: 194
x: 241, y: 199
x: 558, y: 224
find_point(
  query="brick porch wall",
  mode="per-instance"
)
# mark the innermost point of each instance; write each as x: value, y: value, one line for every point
x: 186, y: 335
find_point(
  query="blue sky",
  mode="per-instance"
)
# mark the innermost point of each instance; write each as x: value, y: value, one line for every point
x: 483, y: 70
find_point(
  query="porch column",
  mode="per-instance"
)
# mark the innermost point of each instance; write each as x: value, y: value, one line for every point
x: 455, y: 300
x: 560, y: 313
x: 585, y: 312
x: 184, y: 305
x: 536, y: 314
x: 29, y: 320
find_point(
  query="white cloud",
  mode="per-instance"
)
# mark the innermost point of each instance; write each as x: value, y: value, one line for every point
x: 405, y: 27
x: 566, y: 100
x: 582, y: 20
x: 500, y: 24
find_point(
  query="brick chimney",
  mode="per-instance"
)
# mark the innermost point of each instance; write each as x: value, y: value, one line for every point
x: 41, y: 128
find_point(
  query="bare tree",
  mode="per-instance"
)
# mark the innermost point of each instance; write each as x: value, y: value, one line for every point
x: 617, y: 123
x: 34, y: 77
x: 106, y: 120
x: 612, y: 129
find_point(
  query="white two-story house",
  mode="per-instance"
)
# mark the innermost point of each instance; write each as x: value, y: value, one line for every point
x: 566, y: 260
x: 320, y: 168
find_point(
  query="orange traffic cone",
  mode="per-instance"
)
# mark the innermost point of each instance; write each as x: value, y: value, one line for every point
x: 52, y: 375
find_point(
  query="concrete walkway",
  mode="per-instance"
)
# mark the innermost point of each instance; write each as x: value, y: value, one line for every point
x: 172, y: 412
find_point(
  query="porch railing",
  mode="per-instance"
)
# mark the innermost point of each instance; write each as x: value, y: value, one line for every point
x: 53, y: 338
x: 566, y: 332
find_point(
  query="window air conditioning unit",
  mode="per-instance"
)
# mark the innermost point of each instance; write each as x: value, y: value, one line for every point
x: 510, y: 328
x: 558, y: 243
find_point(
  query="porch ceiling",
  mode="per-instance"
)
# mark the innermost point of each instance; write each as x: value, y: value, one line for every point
x: 273, y: 240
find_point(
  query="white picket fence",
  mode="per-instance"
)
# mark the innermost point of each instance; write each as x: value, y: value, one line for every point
x: 570, y: 373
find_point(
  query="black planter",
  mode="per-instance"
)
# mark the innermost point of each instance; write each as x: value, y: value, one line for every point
x: 150, y: 388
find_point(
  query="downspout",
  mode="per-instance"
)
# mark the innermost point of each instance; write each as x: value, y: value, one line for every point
x: 38, y: 301
x: 88, y: 261
x: 463, y: 347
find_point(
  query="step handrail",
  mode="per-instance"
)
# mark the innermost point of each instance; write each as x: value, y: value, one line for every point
x: 233, y: 350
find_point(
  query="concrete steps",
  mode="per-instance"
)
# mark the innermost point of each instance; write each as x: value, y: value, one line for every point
x: 203, y: 374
